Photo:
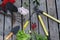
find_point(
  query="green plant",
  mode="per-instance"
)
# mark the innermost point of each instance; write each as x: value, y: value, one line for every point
x: 36, y: 36
x: 36, y: 1
x: 41, y: 37
x: 21, y: 35
x: 26, y: 4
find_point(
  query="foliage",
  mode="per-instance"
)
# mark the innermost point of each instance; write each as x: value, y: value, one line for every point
x: 41, y: 37
x: 36, y: 36
x: 36, y: 1
x: 21, y: 35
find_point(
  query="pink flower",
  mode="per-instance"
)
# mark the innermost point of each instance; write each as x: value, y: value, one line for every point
x: 23, y: 11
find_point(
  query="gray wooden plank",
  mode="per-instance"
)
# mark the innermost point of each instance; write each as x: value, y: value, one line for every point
x: 58, y: 10
x: 17, y: 3
x: 17, y: 15
x: 7, y: 25
x: 16, y: 23
x: 17, y: 18
x: 53, y: 26
x: 27, y: 16
x: 34, y: 16
x: 1, y: 26
x: 43, y: 8
x: 34, y: 20
x: 1, y: 38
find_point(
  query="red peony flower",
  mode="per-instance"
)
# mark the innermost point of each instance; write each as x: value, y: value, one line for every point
x: 33, y: 26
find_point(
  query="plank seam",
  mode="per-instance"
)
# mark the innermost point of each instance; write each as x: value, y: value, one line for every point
x: 57, y: 16
x: 47, y: 20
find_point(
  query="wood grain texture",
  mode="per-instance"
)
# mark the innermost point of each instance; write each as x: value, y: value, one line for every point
x: 43, y: 8
x: 58, y: 10
x: 26, y: 5
x: 7, y: 25
x: 17, y: 23
x: 1, y: 26
x: 17, y: 3
x: 34, y: 16
x: 51, y: 7
x: 53, y: 26
x: 17, y: 17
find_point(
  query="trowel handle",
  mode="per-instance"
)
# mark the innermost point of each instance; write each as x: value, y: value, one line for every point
x: 9, y: 36
x: 51, y: 17
x: 26, y: 24
x: 43, y: 25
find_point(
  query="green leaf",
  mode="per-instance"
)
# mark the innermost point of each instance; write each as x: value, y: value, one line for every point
x: 21, y: 35
x: 36, y: 1
x: 41, y: 37
x: 38, y: 36
x: 25, y: 4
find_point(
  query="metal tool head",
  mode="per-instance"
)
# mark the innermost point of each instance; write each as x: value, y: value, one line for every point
x: 37, y: 10
x: 12, y: 8
x: 15, y: 29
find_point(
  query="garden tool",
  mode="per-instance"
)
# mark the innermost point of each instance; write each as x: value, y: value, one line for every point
x: 40, y: 19
x: 11, y: 7
x: 43, y: 25
x: 44, y: 13
x: 14, y: 31
x: 4, y: 2
x: 25, y: 25
x: 37, y: 11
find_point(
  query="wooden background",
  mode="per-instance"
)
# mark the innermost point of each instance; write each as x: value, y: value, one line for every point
x: 52, y: 7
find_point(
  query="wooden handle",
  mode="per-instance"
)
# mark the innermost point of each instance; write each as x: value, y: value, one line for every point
x: 9, y: 36
x: 51, y: 17
x: 43, y: 25
x: 25, y: 25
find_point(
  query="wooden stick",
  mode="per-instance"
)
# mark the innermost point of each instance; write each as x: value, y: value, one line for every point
x: 43, y: 25
x: 51, y: 17
x: 9, y: 36
x: 25, y: 25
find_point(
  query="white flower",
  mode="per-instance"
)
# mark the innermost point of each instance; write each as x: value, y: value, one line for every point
x: 23, y: 11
